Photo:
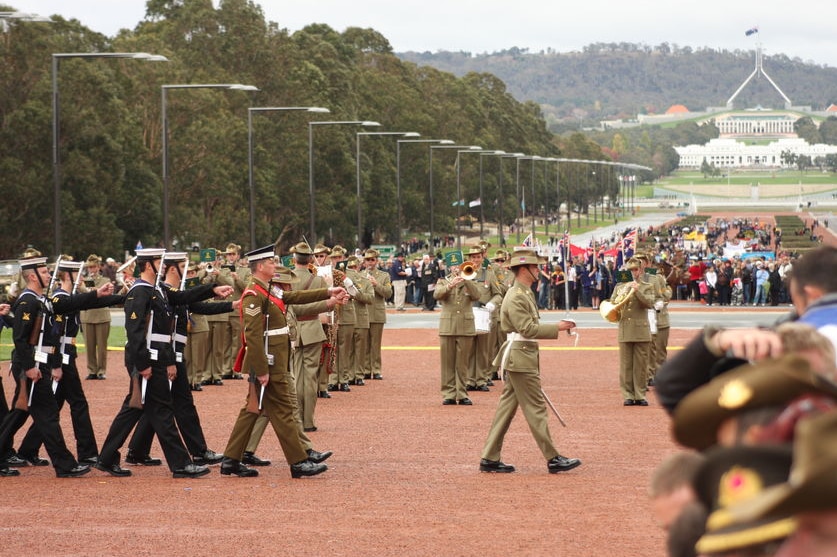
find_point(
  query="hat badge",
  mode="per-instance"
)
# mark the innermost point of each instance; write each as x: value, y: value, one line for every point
x: 739, y: 484
x: 735, y: 394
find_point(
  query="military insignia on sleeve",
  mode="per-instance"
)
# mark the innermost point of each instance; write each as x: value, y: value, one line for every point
x: 59, y: 318
x: 25, y: 317
x: 252, y: 310
x: 133, y: 315
x: 55, y: 299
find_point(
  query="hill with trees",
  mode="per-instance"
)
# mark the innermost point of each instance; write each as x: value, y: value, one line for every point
x: 621, y: 80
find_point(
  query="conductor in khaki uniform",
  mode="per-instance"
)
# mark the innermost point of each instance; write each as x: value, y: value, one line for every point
x: 382, y: 286
x: 95, y: 323
x: 634, y: 334
x: 456, y: 332
x: 268, y: 367
x: 520, y: 364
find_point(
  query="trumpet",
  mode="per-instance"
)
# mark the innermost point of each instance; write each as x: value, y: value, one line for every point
x: 468, y: 271
x: 612, y: 311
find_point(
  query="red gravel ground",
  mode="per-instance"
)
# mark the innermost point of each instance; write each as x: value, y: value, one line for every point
x: 403, y: 479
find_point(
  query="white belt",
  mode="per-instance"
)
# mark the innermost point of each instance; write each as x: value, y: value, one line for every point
x: 512, y: 337
x: 180, y: 338
x: 275, y: 332
x: 157, y: 337
x: 68, y: 340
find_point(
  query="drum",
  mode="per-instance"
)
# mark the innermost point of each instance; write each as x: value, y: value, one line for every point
x: 482, y: 320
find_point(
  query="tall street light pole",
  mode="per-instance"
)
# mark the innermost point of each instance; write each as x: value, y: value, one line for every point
x: 502, y: 195
x: 311, y: 217
x: 459, y: 200
x: 56, y: 129
x: 165, y: 143
x: 432, y: 147
x: 357, y: 164
x: 482, y: 213
x: 398, y: 143
x: 250, y: 112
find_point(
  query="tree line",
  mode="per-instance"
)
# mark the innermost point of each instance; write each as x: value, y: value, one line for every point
x: 110, y: 133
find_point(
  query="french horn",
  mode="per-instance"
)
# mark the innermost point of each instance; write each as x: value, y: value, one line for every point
x: 612, y: 311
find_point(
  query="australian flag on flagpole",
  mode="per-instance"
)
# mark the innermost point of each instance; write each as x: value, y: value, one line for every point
x: 751, y: 31
x: 626, y: 248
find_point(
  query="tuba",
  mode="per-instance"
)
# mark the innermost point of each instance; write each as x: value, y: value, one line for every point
x: 468, y: 271
x: 612, y: 311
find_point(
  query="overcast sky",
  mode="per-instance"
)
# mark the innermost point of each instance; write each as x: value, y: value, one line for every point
x: 800, y: 29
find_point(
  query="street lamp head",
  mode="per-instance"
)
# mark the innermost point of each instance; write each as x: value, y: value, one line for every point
x: 23, y: 16
x: 156, y: 58
x: 446, y: 142
x: 411, y: 134
x: 369, y: 124
x: 240, y: 87
x: 318, y: 109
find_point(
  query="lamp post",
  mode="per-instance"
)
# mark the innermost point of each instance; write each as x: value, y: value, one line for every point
x: 465, y: 147
x: 250, y: 112
x: 311, y: 219
x: 56, y: 112
x: 534, y: 205
x: 501, y: 196
x: 357, y: 165
x: 398, y: 175
x: 482, y: 213
x: 165, y: 143
x: 23, y: 16
x: 459, y: 200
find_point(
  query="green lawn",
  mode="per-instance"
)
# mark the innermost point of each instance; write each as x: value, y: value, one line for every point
x: 685, y: 178
x: 116, y: 341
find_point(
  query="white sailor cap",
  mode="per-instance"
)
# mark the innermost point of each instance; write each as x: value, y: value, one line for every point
x: 265, y: 252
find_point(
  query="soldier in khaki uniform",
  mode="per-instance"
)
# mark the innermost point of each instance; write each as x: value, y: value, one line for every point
x: 362, y: 301
x: 95, y: 323
x: 345, y: 320
x: 306, y: 358
x: 519, y: 362
x: 234, y: 274
x: 491, y: 296
x: 328, y: 321
x: 285, y: 278
x: 503, y: 278
x: 662, y: 296
x: 634, y: 334
x: 219, y: 332
x: 197, y: 347
x: 456, y: 334
x: 382, y: 286
x: 269, y: 368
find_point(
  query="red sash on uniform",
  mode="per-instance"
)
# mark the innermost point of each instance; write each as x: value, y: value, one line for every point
x: 239, y: 358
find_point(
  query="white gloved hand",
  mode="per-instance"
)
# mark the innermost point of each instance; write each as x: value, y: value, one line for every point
x: 350, y: 287
x: 490, y: 306
x: 659, y: 305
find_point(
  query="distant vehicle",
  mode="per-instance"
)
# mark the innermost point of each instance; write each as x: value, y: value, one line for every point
x: 8, y: 270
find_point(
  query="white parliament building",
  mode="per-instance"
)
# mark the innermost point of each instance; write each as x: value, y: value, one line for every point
x: 750, y: 138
